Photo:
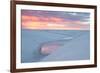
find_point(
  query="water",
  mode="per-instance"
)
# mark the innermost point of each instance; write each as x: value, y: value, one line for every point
x: 33, y: 40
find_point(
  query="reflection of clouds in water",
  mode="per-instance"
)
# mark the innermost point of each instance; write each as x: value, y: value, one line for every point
x: 49, y: 47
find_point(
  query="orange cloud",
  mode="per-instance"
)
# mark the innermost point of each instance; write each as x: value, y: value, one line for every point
x: 29, y: 18
x: 55, y: 19
x: 34, y: 22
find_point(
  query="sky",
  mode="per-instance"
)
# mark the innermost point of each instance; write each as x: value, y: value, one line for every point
x: 55, y: 20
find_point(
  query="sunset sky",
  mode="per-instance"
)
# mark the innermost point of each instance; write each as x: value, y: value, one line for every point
x: 55, y: 20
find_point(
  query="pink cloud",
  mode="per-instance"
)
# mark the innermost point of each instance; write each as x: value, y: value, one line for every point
x: 35, y: 22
